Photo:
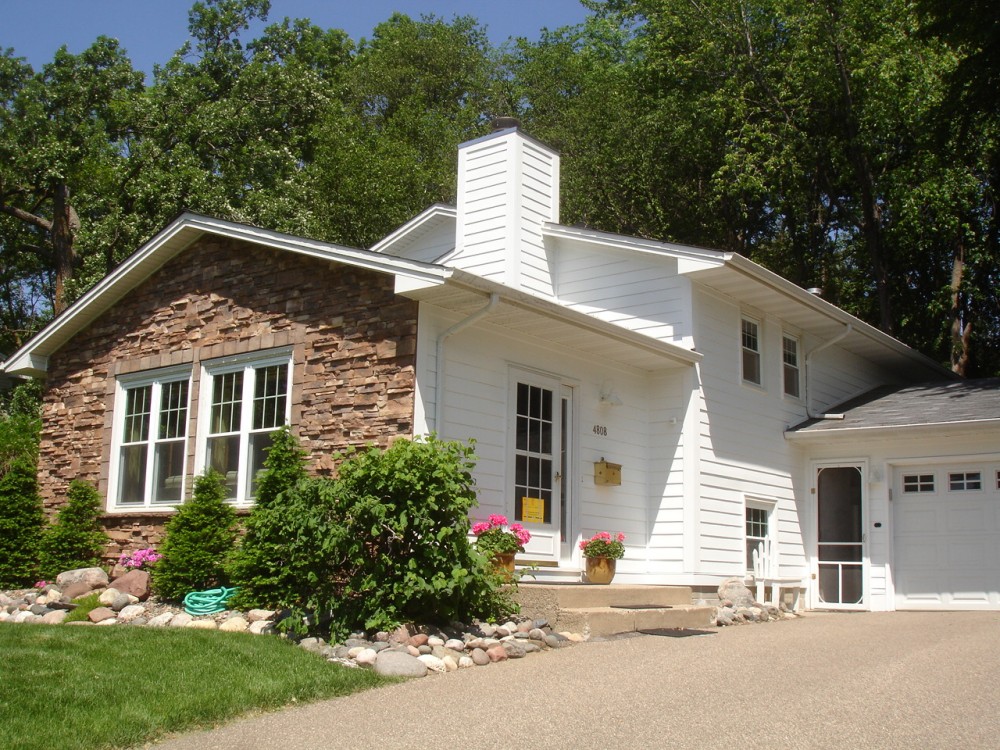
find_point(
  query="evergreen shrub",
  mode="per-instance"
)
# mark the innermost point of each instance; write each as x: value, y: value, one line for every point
x: 21, y: 514
x: 76, y: 539
x: 198, y: 541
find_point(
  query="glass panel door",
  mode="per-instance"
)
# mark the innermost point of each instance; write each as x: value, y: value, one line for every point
x: 841, y: 538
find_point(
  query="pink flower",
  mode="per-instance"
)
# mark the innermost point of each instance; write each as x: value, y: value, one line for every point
x: 620, y: 537
x: 480, y: 527
x: 497, y: 520
x: 522, y: 534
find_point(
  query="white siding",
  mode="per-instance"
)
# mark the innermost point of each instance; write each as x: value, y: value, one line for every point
x: 637, y: 292
x: 743, y: 452
x: 640, y: 435
x: 507, y: 188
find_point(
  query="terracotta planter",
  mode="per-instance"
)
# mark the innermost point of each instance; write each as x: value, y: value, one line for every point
x: 600, y: 569
x: 503, y: 563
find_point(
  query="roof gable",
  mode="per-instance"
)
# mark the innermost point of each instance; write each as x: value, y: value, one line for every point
x: 32, y: 358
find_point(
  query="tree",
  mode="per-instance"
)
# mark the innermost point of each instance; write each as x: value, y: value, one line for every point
x: 76, y: 539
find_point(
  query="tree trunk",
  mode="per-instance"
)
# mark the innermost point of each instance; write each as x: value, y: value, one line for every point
x: 960, y: 333
x: 62, y: 233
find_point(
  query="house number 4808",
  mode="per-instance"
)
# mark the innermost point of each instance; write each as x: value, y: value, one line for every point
x: 601, y: 430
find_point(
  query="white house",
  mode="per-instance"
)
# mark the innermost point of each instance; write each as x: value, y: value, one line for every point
x: 686, y: 397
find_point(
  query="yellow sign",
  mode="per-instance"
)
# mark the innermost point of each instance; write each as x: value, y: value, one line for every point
x: 532, y: 510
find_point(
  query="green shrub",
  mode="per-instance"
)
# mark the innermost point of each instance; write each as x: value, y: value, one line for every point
x: 84, y: 606
x: 267, y: 566
x: 198, y: 540
x: 76, y: 539
x: 21, y: 514
x: 405, y: 550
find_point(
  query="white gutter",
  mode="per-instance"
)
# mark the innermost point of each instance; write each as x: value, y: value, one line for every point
x: 836, y: 339
x: 439, y: 375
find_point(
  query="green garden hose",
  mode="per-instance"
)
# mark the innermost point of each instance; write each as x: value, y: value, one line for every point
x: 207, y: 602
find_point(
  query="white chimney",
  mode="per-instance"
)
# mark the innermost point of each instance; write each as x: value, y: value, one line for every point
x: 508, y: 186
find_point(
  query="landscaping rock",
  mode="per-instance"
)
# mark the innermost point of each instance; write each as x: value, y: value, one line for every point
x: 399, y: 664
x: 734, y: 590
x: 55, y: 617
x: 256, y: 615
x: 367, y: 657
x: 181, y: 620
x: 108, y: 596
x: 235, y: 624
x: 261, y: 627
x: 93, y: 577
x: 78, y: 589
x: 135, y: 583
x: 100, y: 614
x: 203, y: 625
x: 479, y: 657
x: 121, y: 601
x: 129, y: 612
x: 161, y: 620
x: 432, y: 663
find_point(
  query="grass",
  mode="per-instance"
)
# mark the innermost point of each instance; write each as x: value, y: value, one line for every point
x: 80, y: 687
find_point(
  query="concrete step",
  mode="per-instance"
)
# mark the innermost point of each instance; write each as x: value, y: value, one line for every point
x: 618, y: 608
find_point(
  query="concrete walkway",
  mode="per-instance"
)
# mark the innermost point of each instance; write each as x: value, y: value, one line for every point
x: 864, y: 680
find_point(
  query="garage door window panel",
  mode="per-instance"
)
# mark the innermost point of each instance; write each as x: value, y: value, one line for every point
x: 965, y: 481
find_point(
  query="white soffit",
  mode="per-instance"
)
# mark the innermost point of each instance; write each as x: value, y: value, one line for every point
x: 525, y: 316
x: 396, y: 242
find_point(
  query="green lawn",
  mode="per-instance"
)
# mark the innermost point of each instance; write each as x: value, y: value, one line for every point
x: 89, y: 687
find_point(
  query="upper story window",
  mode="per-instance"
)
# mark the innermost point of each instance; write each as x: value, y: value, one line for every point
x: 750, y: 330
x: 150, y: 443
x: 790, y: 362
x: 243, y: 402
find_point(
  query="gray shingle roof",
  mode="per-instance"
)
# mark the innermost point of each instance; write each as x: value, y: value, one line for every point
x: 924, y: 404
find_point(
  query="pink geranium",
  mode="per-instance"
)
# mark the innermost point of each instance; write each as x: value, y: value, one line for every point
x: 602, y: 544
x: 494, y: 536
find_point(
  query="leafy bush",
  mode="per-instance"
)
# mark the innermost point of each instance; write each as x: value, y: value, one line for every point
x: 198, y: 540
x: 273, y: 566
x: 21, y: 515
x: 76, y: 539
x: 405, y: 550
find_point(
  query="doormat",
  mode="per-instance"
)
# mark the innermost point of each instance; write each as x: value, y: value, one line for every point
x: 641, y: 606
x: 676, y: 632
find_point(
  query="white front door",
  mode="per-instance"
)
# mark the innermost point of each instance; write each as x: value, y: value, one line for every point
x: 540, y: 497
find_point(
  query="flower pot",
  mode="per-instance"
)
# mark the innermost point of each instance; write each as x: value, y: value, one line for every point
x: 600, y: 569
x: 503, y: 563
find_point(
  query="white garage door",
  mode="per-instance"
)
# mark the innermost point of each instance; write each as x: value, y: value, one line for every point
x: 946, y: 537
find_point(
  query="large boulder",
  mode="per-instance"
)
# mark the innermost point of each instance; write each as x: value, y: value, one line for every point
x: 93, y: 577
x: 135, y: 583
x: 735, y: 590
x: 399, y: 664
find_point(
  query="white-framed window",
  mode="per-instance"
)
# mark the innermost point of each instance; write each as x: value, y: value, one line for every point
x: 150, y: 439
x: 963, y: 481
x: 243, y: 400
x: 790, y: 365
x: 750, y: 340
x: 759, y: 526
x: 918, y: 483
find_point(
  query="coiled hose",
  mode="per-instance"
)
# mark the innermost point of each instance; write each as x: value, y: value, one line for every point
x: 207, y: 602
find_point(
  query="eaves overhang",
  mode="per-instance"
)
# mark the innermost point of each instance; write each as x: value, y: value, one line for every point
x: 966, y: 427
x: 32, y: 358
x: 529, y: 317
x: 585, y: 235
x: 753, y: 285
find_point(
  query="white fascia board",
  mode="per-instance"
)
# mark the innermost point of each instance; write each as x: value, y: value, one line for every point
x: 31, y: 359
x: 882, y: 432
x: 413, y: 226
x: 784, y: 286
x: 709, y: 258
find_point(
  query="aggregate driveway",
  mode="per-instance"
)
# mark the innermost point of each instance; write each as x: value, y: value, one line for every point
x: 861, y: 680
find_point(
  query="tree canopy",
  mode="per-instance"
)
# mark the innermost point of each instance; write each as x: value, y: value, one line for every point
x: 845, y: 144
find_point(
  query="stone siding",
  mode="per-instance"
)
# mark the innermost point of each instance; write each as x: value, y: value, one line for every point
x: 353, y: 344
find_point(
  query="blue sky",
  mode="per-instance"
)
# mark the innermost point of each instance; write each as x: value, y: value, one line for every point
x: 151, y: 30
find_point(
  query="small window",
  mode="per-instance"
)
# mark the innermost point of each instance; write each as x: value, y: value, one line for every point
x: 751, y: 351
x: 757, y: 528
x: 790, y: 360
x: 918, y: 483
x: 998, y: 480
x: 151, y: 441
x: 967, y: 480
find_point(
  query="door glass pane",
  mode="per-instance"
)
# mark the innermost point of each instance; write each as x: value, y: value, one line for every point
x: 840, y: 504
x: 840, y: 552
x: 533, y: 459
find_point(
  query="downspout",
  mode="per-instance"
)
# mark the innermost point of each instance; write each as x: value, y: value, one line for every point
x: 439, y: 355
x: 836, y: 339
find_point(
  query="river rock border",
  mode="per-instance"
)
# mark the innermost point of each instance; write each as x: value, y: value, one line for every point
x: 409, y: 651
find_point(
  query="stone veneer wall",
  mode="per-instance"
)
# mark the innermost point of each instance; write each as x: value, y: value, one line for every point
x: 353, y: 342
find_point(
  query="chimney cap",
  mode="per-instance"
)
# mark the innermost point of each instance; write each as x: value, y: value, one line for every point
x: 505, y: 123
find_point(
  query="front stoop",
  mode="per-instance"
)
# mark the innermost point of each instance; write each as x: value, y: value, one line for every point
x: 593, y: 610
